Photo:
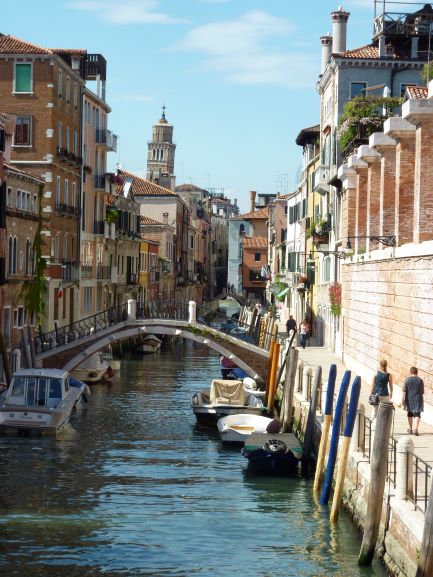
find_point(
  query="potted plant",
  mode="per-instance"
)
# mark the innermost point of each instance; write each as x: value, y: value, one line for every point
x: 319, y: 231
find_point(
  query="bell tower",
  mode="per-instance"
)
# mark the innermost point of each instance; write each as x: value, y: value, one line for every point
x: 160, y: 154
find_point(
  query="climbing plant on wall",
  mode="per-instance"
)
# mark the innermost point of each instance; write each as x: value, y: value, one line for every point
x: 334, y: 291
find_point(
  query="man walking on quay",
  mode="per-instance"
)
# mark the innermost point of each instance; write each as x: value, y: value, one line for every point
x: 291, y: 325
x: 413, y: 400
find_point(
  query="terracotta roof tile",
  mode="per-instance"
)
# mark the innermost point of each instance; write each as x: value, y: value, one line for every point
x: 147, y: 220
x: 12, y: 168
x: 143, y: 187
x: 417, y: 92
x: 260, y: 213
x: 368, y: 51
x: 255, y: 242
x: 189, y: 188
x: 13, y: 45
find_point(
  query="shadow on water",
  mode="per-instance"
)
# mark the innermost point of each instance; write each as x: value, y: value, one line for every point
x: 134, y: 487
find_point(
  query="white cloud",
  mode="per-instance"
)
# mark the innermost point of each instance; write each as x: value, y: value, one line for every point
x: 240, y: 51
x: 125, y: 12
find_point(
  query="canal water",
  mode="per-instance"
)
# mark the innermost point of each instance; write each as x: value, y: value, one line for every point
x: 133, y: 487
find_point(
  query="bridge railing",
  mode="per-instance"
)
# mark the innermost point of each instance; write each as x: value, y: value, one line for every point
x: 82, y: 328
x: 163, y: 310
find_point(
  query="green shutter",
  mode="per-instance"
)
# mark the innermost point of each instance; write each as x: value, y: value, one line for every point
x: 23, y: 78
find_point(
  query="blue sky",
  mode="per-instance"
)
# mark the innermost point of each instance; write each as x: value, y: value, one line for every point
x: 237, y: 76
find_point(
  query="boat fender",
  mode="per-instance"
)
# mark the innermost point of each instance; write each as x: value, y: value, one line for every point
x: 273, y: 427
x: 275, y: 446
x: 86, y: 394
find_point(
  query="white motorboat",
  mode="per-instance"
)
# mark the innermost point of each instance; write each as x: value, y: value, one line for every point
x: 237, y: 428
x: 40, y: 400
x: 148, y: 345
x: 225, y: 397
x: 92, y: 370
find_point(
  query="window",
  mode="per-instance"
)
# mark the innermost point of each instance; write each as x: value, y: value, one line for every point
x: 28, y: 258
x: 74, y: 195
x: 58, y: 192
x: 88, y: 299
x: 66, y: 192
x: 59, y: 134
x: 23, y: 131
x: 257, y: 256
x: 13, y: 255
x: 23, y: 81
x: 19, y: 199
x: 68, y: 138
x: 75, y: 96
x: 357, y: 88
x: 9, y: 197
x: 7, y: 325
x: 68, y: 90
x: 75, y: 142
x: 60, y: 84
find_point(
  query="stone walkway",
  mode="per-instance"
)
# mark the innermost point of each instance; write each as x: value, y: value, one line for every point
x: 423, y: 444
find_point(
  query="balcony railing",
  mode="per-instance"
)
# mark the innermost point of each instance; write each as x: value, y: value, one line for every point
x: 67, y: 210
x: 70, y: 271
x: 86, y: 271
x: 103, y: 272
x: 418, y: 481
x: 106, y: 138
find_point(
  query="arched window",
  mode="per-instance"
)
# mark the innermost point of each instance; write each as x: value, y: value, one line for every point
x: 13, y: 255
x: 27, y: 262
x: 154, y: 154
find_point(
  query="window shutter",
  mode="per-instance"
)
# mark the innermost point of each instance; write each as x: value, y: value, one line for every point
x: 23, y: 77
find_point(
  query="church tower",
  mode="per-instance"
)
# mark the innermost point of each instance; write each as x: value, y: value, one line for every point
x: 160, y: 154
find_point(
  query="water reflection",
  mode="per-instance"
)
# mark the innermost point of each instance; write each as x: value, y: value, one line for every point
x: 135, y: 488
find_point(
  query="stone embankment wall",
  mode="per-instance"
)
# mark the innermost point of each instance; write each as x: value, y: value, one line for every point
x: 401, y: 527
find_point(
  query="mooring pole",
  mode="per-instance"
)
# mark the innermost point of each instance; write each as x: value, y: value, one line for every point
x: 289, y: 388
x: 378, y: 467
x: 5, y: 359
x: 425, y: 562
x: 344, y: 452
x: 311, y: 419
x: 320, y: 466
x: 273, y: 379
x: 26, y: 350
x: 31, y: 345
x: 335, y: 437
x: 268, y: 374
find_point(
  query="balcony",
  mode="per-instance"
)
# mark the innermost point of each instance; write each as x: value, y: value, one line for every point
x: 321, y: 179
x: 107, y: 139
x: 67, y: 210
x: 69, y: 157
x: 86, y: 271
x: 103, y: 272
x: 70, y: 271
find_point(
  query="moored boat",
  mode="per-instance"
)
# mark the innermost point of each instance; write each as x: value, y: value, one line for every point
x: 92, y: 370
x: 148, y: 345
x: 113, y: 362
x: 40, y: 400
x: 237, y: 428
x: 273, y: 453
x: 225, y: 397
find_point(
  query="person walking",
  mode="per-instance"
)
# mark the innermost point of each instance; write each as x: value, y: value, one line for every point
x: 304, y: 332
x: 381, y: 385
x: 413, y: 400
x: 291, y: 325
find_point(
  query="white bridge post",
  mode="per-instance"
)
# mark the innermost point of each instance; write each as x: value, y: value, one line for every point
x: 132, y: 309
x: 192, y: 312
x: 404, y: 483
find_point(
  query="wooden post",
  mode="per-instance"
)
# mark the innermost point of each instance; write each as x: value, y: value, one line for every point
x: 311, y: 419
x: 289, y: 388
x: 344, y: 453
x: 378, y: 467
x: 273, y: 378
x: 320, y: 466
x: 26, y: 350
x: 5, y: 359
x: 32, y: 345
x: 335, y: 437
x: 425, y: 562
x: 268, y: 374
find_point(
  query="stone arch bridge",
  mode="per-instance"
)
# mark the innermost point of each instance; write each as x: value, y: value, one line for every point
x: 69, y: 346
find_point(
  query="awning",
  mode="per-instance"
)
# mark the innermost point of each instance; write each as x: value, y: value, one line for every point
x: 283, y: 293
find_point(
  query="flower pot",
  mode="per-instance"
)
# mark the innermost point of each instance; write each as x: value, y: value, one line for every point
x: 303, y: 279
x: 320, y: 239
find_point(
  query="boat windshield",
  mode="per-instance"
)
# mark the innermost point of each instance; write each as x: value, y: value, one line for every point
x: 31, y: 391
x: 18, y: 388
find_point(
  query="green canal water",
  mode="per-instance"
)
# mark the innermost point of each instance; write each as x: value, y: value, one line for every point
x: 133, y: 487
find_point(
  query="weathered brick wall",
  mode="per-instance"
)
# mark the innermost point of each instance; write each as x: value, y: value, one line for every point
x: 388, y: 313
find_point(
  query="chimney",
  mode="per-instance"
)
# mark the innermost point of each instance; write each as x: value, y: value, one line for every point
x: 339, y: 27
x: 253, y: 200
x: 165, y: 218
x: 326, y: 50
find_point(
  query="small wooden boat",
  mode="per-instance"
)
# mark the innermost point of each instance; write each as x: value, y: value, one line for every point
x: 237, y: 428
x: 225, y: 397
x: 92, y: 370
x: 148, y: 345
x: 40, y: 400
x: 273, y: 454
x: 113, y: 362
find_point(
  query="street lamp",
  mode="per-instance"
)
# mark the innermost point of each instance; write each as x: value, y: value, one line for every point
x: 386, y: 240
x: 337, y: 253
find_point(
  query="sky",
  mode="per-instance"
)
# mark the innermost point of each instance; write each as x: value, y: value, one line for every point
x: 237, y: 77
